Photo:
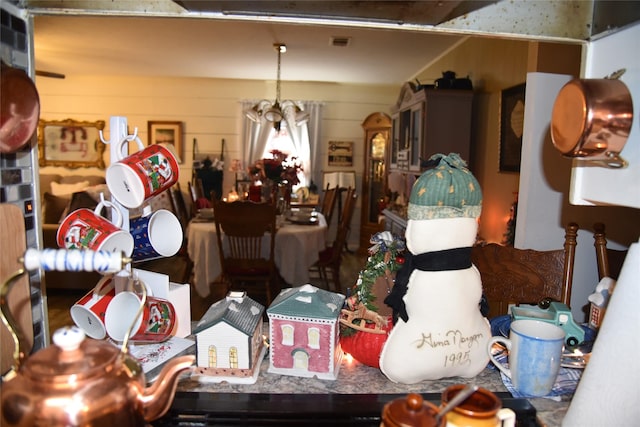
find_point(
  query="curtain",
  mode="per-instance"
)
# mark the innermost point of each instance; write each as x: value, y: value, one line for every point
x: 305, y: 137
x: 313, y: 130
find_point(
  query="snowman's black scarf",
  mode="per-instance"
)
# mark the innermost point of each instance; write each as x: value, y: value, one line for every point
x: 447, y: 259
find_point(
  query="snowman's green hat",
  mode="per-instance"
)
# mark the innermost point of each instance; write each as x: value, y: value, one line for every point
x: 448, y: 190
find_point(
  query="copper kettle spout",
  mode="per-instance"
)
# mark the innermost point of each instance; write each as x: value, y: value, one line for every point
x: 157, y: 398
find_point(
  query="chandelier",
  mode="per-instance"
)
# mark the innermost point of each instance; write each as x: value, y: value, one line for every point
x: 278, y: 110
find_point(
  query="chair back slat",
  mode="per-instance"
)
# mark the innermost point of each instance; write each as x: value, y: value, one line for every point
x: 609, y: 260
x: 328, y: 203
x: 179, y: 205
x: 331, y: 257
x: 344, y: 228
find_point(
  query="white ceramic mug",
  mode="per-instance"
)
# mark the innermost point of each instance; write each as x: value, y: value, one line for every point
x: 141, y: 175
x: 89, y: 311
x: 156, y: 323
x: 155, y: 235
x: 535, y: 351
x: 87, y: 229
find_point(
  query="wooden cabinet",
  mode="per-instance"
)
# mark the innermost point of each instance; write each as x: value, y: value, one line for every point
x: 377, y: 142
x: 426, y: 121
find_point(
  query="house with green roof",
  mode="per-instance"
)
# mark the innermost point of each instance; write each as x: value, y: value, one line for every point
x: 304, y: 332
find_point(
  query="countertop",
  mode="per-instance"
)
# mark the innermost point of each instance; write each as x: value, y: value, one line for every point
x: 355, y: 378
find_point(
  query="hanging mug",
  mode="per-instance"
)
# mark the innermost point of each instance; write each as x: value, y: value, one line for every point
x: 155, y: 323
x: 87, y: 229
x: 89, y: 311
x: 155, y: 235
x: 141, y: 175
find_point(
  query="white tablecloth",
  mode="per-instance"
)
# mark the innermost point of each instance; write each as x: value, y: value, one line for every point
x: 296, y: 249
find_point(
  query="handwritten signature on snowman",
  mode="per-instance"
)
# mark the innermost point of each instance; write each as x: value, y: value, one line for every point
x: 452, y: 338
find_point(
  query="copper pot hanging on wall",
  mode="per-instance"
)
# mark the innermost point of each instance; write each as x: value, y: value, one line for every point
x: 592, y: 120
x: 20, y: 109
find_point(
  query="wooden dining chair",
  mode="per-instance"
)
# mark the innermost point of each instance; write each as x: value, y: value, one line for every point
x: 513, y: 276
x: 609, y: 260
x: 179, y: 205
x: 327, y: 267
x: 246, y: 257
x: 196, y: 192
x: 328, y: 203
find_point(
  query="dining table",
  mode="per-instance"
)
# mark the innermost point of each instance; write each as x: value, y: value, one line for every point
x: 297, y: 246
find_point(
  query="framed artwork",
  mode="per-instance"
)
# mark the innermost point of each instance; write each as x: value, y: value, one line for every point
x: 340, y: 153
x: 70, y: 143
x: 511, y: 127
x: 166, y: 133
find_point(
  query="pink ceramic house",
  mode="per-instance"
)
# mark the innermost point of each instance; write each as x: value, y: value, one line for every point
x: 230, y: 345
x: 304, y: 333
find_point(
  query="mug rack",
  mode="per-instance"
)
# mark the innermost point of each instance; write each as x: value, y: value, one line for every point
x: 118, y: 130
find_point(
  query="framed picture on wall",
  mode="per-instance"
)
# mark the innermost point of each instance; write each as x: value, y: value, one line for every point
x: 166, y: 133
x: 70, y: 143
x: 340, y: 153
x: 511, y: 127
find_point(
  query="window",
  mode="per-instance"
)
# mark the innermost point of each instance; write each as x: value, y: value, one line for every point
x: 233, y: 358
x: 283, y: 142
x: 304, y: 137
x: 313, y: 335
x: 287, y: 334
x: 213, y: 356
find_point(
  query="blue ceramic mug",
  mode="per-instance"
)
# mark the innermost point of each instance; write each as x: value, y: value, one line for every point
x: 155, y: 235
x: 535, y: 351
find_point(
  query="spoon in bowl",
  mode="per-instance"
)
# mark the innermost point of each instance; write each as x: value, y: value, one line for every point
x: 457, y: 399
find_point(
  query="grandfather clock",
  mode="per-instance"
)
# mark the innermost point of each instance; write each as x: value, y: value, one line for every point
x: 377, y: 135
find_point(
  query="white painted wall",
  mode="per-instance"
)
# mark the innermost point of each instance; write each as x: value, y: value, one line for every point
x: 597, y: 185
x: 544, y: 208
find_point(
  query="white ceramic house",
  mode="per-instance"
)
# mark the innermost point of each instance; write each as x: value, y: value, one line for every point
x: 230, y: 345
x: 304, y: 333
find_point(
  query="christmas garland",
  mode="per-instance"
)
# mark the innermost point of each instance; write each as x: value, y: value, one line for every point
x: 385, y: 258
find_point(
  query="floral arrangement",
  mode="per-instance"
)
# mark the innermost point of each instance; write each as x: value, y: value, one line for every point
x: 279, y: 168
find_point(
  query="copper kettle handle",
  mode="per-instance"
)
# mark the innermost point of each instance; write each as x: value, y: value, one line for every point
x: 50, y: 260
x: 10, y: 323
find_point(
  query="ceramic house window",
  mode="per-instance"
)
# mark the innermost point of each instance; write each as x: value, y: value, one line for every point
x: 213, y: 356
x: 287, y: 335
x: 233, y: 358
x: 313, y: 335
x: 301, y: 360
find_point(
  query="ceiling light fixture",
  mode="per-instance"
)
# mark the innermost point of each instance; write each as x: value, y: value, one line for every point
x: 279, y: 110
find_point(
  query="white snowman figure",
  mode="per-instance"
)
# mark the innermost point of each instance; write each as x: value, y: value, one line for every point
x: 439, y: 331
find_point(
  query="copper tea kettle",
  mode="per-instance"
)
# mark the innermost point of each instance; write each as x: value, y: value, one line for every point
x: 79, y: 381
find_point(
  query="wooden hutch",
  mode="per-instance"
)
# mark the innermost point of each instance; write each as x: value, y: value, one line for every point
x: 425, y: 121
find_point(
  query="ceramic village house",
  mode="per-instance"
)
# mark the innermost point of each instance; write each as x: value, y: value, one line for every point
x: 304, y: 332
x: 229, y: 339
